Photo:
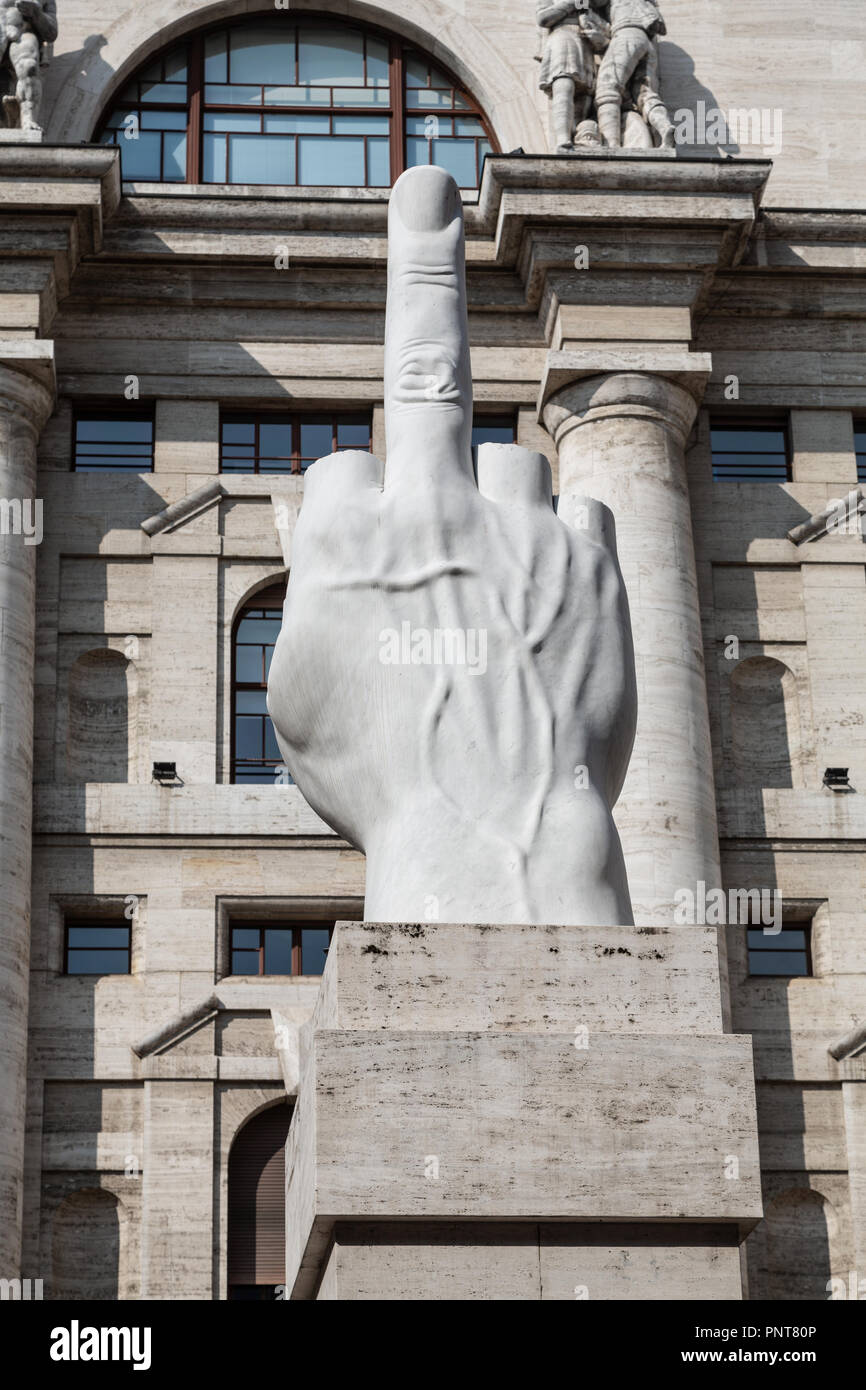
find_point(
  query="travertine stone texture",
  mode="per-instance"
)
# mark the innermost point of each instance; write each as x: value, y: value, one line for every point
x: 24, y: 406
x: 432, y: 976
x: 621, y: 438
x: 478, y: 1261
x: 181, y: 291
x: 523, y: 1101
x: 732, y: 59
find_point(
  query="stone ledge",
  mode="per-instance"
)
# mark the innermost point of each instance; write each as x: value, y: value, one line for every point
x: 440, y: 976
x: 143, y: 809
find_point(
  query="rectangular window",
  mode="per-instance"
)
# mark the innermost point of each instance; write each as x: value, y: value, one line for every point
x: 492, y: 429
x: 750, y: 451
x: 113, y: 440
x: 97, y: 948
x: 785, y: 954
x: 279, y: 948
x: 280, y: 443
x: 860, y: 449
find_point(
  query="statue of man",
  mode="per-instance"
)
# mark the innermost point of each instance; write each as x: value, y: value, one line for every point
x: 26, y: 26
x: 574, y: 33
x: 634, y: 26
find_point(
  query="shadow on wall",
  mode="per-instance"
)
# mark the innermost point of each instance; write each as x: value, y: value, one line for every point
x: 72, y: 80
x: 789, y: 1252
x: 765, y: 724
x: 683, y: 91
x: 102, y: 688
x: 85, y: 1255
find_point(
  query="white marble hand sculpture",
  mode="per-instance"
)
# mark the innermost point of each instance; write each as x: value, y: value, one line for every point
x: 453, y: 687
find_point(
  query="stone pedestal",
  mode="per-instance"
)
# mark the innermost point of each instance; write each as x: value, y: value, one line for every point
x: 621, y: 439
x: 522, y: 1113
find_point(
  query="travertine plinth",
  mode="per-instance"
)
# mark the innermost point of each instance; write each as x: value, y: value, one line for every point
x: 549, y: 1080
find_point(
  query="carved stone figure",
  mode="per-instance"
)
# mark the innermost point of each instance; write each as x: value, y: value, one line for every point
x: 573, y: 34
x: 27, y: 27
x: 631, y: 57
x: 600, y: 59
x: 453, y: 687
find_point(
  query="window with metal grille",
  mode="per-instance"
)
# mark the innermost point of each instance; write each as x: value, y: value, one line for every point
x: 255, y: 756
x: 97, y: 947
x: 309, y: 102
x: 860, y: 449
x: 279, y: 948
x: 785, y: 953
x: 750, y: 451
x: 112, y: 440
x: 256, y: 1253
x: 273, y: 442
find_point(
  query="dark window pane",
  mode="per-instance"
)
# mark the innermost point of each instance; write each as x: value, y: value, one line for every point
x: 314, y: 949
x: 245, y: 962
x: 248, y: 738
x: 216, y: 58
x: 117, y: 937
x: 114, y: 442
x: 316, y: 440
x: 749, y: 453
x: 788, y: 939
x: 748, y: 441
x: 248, y: 664
x: 253, y: 776
x: 777, y: 963
x: 275, y: 441
x: 98, y: 963
x: 246, y: 937
x: 252, y: 702
x: 492, y: 434
x: 109, y: 430
x: 278, y: 951
x: 271, y: 747
x: 258, y: 629
x: 353, y: 436
x: 239, y: 432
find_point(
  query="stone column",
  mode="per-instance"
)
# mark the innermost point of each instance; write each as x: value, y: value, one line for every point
x: 621, y: 438
x: 25, y: 404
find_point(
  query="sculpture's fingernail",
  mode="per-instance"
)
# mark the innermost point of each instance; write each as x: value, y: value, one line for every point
x: 425, y: 199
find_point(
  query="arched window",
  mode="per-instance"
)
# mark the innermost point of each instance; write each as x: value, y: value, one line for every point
x: 294, y: 101
x: 255, y: 755
x: 257, y: 1205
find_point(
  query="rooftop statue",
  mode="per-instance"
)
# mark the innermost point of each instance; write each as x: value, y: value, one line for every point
x: 600, y: 66
x: 27, y: 29
x: 453, y: 687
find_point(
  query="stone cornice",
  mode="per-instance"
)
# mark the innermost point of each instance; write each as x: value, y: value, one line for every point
x: 54, y: 202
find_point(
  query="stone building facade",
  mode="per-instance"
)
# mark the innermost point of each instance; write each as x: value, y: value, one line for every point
x: 170, y: 332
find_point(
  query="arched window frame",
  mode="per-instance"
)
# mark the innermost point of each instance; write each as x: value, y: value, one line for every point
x: 396, y: 111
x: 268, y: 598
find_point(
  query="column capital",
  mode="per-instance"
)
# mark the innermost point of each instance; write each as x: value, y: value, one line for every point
x: 664, y: 386
x: 27, y: 378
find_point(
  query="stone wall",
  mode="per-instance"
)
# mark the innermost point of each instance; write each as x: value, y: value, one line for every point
x: 195, y: 309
